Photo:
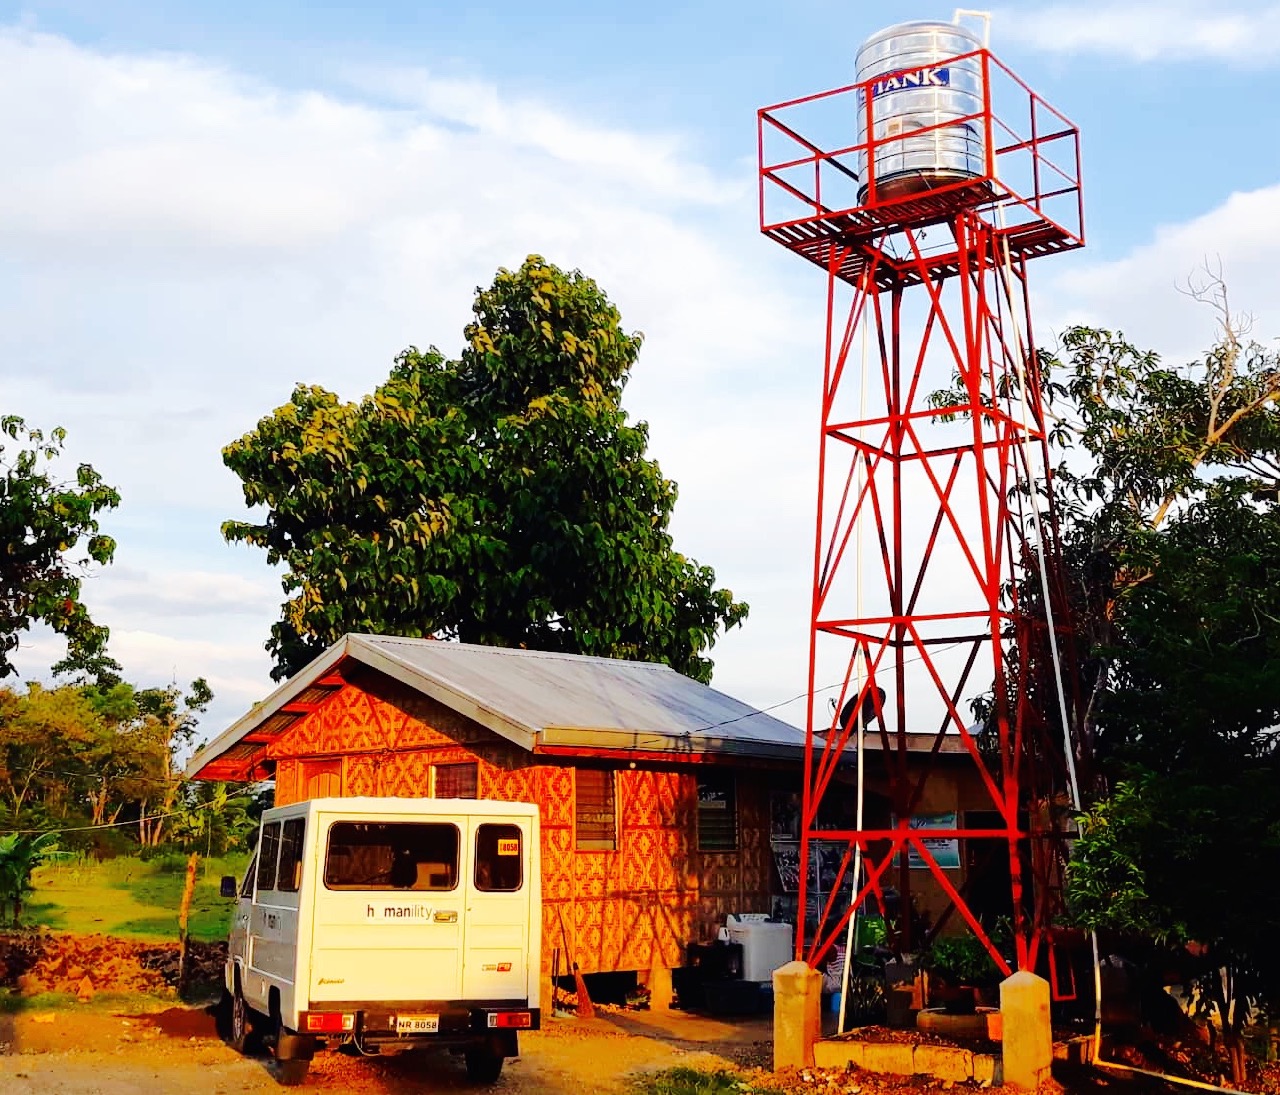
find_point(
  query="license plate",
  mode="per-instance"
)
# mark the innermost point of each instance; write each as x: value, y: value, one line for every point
x: 417, y: 1024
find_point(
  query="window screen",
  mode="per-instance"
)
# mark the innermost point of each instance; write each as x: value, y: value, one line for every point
x: 267, y: 852
x: 595, y: 815
x: 290, y: 873
x: 717, y: 812
x: 456, y: 780
x: 499, y: 858
x: 367, y: 855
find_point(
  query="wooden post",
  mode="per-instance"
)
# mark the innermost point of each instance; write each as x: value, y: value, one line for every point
x: 184, y: 911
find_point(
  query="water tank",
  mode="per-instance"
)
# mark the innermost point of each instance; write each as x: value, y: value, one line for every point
x: 915, y: 86
x: 766, y: 945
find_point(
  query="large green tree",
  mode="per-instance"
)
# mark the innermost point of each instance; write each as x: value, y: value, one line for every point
x: 1171, y: 535
x: 48, y: 536
x: 501, y: 498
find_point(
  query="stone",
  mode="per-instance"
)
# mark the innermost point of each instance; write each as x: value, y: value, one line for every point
x: 984, y: 1069
x: 660, y: 991
x: 948, y: 1063
x: 1027, y: 1046
x: 84, y: 990
x: 797, y: 1015
x: 838, y: 1052
x: 892, y: 1057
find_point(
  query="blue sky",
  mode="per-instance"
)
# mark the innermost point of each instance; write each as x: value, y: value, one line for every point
x: 203, y: 203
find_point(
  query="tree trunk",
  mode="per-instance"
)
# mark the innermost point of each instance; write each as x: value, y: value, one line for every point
x: 184, y: 912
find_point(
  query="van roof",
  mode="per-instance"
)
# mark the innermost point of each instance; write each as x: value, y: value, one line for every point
x: 361, y: 806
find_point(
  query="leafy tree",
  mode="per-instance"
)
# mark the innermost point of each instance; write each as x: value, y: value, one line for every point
x: 502, y: 498
x: 43, y: 523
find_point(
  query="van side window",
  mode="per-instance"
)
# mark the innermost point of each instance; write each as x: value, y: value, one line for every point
x: 290, y: 872
x: 499, y: 858
x: 267, y: 852
x: 246, y: 887
x: 393, y: 855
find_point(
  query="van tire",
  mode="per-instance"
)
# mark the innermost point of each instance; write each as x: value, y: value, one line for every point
x: 242, y: 1027
x: 483, y: 1065
x: 293, y: 1072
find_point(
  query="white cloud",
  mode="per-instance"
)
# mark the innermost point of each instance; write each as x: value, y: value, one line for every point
x: 1146, y: 32
x: 182, y: 244
x: 1144, y: 293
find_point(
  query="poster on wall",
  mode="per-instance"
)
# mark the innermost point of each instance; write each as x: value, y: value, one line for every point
x: 945, y: 849
x: 786, y: 857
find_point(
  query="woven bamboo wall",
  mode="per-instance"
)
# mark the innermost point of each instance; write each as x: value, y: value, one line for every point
x: 628, y: 909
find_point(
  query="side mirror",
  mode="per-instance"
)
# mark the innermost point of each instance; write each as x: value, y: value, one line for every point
x: 228, y: 886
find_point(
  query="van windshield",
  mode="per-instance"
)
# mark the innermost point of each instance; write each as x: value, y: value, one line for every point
x: 369, y: 855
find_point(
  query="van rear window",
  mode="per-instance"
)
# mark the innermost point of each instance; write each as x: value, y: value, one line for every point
x: 367, y: 855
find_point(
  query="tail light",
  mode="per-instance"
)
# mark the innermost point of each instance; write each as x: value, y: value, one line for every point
x: 510, y: 1019
x: 328, y: 1022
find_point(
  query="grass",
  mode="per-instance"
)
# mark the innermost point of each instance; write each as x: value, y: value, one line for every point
x: 11, y: 1003
x: 132, y: 898
x: 690, y: 1081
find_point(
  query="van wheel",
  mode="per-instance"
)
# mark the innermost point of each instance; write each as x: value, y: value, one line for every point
x: 483, y: 1066
x: 293, y: 1072
x: 242, y: 1036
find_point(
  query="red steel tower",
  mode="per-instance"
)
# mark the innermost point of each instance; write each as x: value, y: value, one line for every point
x: 922, y: 191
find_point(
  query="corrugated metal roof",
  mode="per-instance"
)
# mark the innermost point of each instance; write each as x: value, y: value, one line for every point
x: 538, y: 699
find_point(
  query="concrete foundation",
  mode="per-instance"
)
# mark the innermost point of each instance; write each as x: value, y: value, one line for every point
x: 1027, y: 1046
x: 797, y: 1014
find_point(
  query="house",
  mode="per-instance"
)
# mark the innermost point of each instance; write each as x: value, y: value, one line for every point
x: 654, y: 789
x: 665, y: 804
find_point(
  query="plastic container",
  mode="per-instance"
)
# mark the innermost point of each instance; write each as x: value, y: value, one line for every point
x: 766, y: 944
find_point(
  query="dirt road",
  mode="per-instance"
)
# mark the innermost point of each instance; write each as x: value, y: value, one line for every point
x: 178, y: 1051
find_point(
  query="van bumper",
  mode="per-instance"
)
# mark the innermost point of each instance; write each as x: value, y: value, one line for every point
x: 461, y: 1024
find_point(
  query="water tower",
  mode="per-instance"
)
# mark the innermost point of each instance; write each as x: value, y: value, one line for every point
x: 922, y: 191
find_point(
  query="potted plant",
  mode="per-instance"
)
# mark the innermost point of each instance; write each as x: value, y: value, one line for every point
x: 959, y: 966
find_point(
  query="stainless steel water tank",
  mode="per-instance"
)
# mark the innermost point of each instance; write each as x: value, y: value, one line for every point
x: 916, y: 86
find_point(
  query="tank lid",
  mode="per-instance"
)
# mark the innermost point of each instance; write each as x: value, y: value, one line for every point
x: 897, y: 29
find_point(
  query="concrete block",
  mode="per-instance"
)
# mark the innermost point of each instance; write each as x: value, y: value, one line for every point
x: 838, y: 1052
x: 944, y: 1062
x: 797, y: 1014
x: 892, y: 1057
x: 1027, y: 1046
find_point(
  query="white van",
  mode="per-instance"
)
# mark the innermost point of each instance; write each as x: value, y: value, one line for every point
x: 386, y: 924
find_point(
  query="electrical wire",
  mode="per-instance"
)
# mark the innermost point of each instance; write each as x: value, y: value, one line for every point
x: 108, y: 824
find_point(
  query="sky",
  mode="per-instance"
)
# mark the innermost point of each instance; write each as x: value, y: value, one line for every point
x: 204, y: 203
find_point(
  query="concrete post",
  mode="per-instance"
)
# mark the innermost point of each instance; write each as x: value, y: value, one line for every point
x: 1027, y: 1046
x: 660, y: 991
x: 797, y: 1014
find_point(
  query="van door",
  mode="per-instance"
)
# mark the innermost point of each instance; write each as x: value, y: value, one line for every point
x: 498, y: 910
x: 238, y: 937
x: 388, y: 912
x: 273, y: 924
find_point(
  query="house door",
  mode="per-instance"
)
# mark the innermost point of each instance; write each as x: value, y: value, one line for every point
x: 321, y: 779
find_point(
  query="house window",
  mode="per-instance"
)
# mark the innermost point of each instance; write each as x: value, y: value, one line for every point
x: 455, y: 780
x: 717, y: 812
x: 594, y: 811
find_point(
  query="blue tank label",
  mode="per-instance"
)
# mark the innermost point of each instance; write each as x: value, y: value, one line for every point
x: 912, y: 78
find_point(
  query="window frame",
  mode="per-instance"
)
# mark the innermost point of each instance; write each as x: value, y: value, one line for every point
x: 270, y: 839
x: 728, y: 783
x: 475, y: 778
x: 299, y: 825
x: 596, y: 844
x: 520, y: 861
x: 343, y: 888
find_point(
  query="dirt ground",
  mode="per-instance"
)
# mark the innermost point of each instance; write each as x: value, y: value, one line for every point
x: 95, y: 1051
x: 178, y: 1050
